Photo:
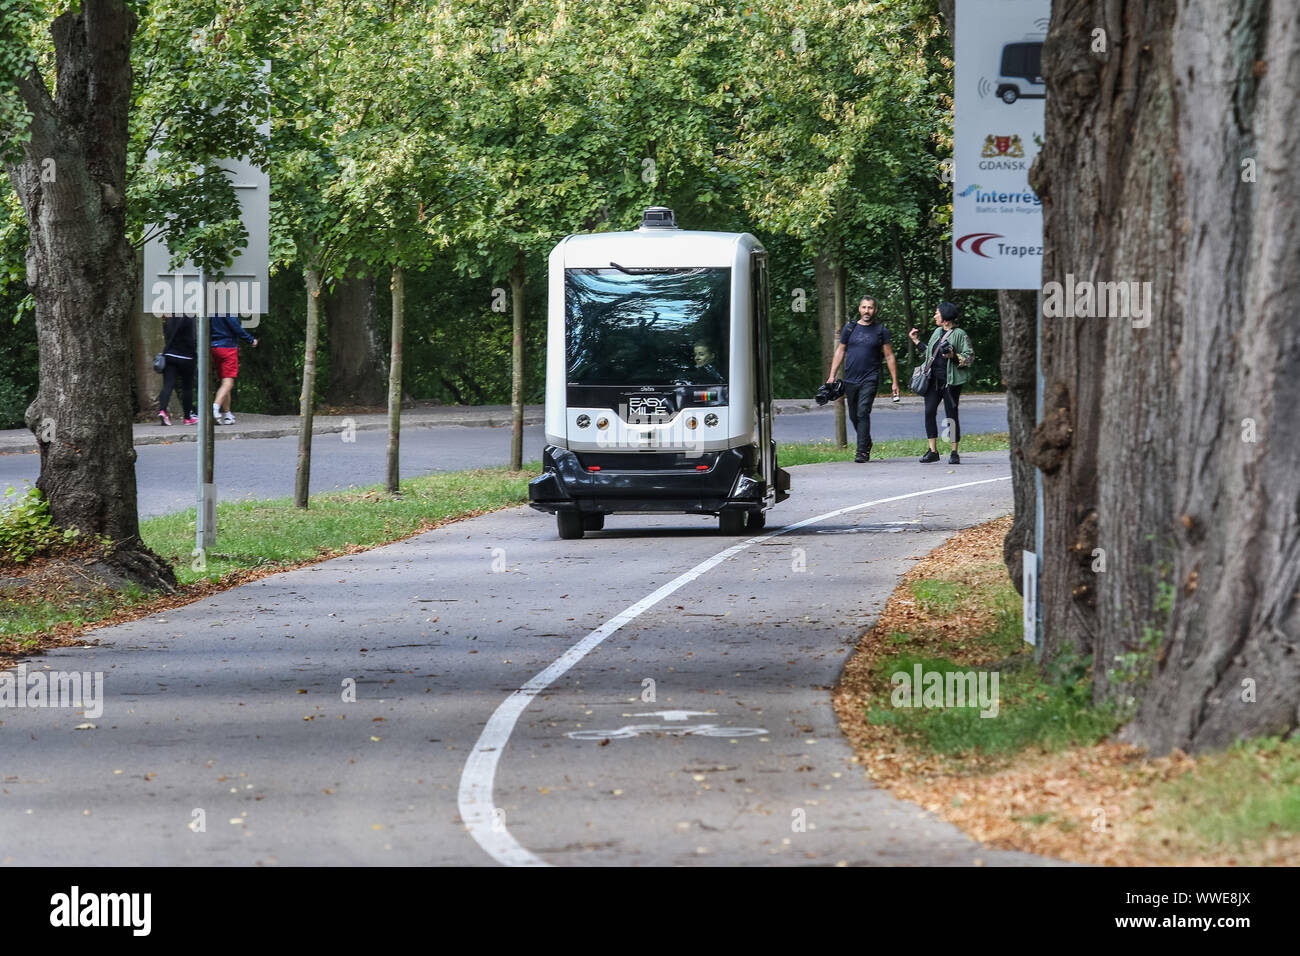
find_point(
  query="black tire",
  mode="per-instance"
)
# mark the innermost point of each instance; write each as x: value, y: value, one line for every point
x: 593, y: 522
x: 757, y: 520
x: 569, y: 524
x: 731, y: 522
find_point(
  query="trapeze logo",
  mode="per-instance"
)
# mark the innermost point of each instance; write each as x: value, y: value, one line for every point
x: 974, y: 242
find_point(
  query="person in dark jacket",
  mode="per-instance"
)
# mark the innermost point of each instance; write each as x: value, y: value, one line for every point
x: 226, y: 335
x: 950, y: 353
x: 178, y: 352
x: 862, y: 346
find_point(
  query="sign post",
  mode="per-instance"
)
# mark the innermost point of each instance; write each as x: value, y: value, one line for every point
x: 997, y: 218
x: 241, y: 289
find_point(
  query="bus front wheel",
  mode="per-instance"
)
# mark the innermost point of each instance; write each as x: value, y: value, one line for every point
x: 569, y: 524
x: 731, y: 522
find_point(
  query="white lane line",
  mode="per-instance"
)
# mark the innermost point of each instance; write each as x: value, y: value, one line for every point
x: 477, y: 779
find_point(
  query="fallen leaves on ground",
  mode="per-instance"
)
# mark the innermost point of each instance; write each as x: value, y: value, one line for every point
x: 1085, y: 804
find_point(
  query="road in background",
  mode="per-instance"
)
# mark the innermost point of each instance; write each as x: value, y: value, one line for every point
x: 264, y: 467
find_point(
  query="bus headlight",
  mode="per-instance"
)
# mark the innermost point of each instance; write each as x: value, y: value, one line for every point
x: 602, y: 423
x: 691, y: 422
x: 711, y: 420
x: 584, y: 421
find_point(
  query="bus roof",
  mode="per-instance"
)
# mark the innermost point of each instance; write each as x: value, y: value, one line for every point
x: 654, y: 247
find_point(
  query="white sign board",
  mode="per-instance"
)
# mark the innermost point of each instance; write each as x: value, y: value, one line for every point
x: 997, y: 232
x: 243, y: 288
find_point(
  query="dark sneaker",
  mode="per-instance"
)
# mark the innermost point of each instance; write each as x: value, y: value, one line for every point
x: 929, y: 456
x: 954, y: 459
x: 861, y: 459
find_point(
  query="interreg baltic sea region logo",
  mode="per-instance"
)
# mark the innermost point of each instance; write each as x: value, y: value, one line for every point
x: 922, y: 688
x: 44, y: 688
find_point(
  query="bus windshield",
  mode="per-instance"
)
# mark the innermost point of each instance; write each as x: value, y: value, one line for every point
x: 634, y: 327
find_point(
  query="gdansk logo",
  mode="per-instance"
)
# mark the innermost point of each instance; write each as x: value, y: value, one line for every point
x: 1009, y: 146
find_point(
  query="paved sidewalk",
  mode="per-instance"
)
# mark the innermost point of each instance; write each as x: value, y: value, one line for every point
x: 418, y: 415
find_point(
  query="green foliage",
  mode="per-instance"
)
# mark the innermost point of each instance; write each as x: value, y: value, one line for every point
x: 1031, y: 712
x: 446, y: 138
x: 1249, y: 792
x: 26, y: 529
x: 939, y: 597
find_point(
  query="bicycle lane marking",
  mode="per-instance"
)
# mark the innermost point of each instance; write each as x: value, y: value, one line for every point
x: 477, y: 780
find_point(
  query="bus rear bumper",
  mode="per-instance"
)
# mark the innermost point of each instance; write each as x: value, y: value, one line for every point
x: 648, y: 483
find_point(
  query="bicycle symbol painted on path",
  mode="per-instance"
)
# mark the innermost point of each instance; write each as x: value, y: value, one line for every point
x: 634, y: 730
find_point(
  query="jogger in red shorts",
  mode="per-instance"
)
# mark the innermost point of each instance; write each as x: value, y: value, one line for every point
x: 226, y: 334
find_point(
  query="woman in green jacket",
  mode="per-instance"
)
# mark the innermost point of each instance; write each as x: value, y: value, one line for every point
x: 948, y: 372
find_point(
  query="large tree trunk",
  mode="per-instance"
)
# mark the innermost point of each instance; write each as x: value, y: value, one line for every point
x: 517, y: 363
x: 1171, y: 449
x: 81, y: 271
x: 1019, y: 375
x: 357, y: 370
x: 307, y: 400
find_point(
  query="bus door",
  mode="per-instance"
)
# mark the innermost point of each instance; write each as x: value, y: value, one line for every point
x: 762, y: 372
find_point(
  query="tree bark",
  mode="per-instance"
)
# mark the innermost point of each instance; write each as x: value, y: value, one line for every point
x: 1019, y: 375
x: 841, y: 311
x: 1170, y: 448
x: 307, y: 405
x: 357, y: 369
x: 392, y: 479
x: 71, y: 181
x: 517, y: 363
x: 827, y: 277
x: 906, y: 279
x: 146, y: 342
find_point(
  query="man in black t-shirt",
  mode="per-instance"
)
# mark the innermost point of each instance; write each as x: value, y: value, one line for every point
x: 862, y: 345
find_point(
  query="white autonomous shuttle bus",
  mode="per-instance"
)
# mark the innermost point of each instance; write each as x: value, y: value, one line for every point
x: 658, y: 379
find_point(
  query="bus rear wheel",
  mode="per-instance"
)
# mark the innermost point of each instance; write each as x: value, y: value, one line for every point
x: 569, y: 524
x: 757, y: 520
x: 731, y: 522
x: 593, y: 522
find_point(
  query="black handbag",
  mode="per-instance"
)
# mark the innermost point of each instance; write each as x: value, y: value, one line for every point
x: 921, y: 375
x: 160, y: 363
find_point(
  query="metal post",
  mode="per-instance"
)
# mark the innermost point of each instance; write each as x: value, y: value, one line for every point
x: 1038, y: 475
x: 205, y: 511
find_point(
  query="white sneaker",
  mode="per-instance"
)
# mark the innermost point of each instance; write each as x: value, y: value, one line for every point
x: 216, y: 413
x: 227, y: 419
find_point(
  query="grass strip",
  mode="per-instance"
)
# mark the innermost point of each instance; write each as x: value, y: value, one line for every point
x: 809, y: 453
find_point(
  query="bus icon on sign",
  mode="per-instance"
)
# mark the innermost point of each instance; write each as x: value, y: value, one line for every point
x: 1021, y: 73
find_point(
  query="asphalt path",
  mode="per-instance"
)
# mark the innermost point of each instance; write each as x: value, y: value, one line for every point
x: 263, y: 468
x: 651, y: 694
